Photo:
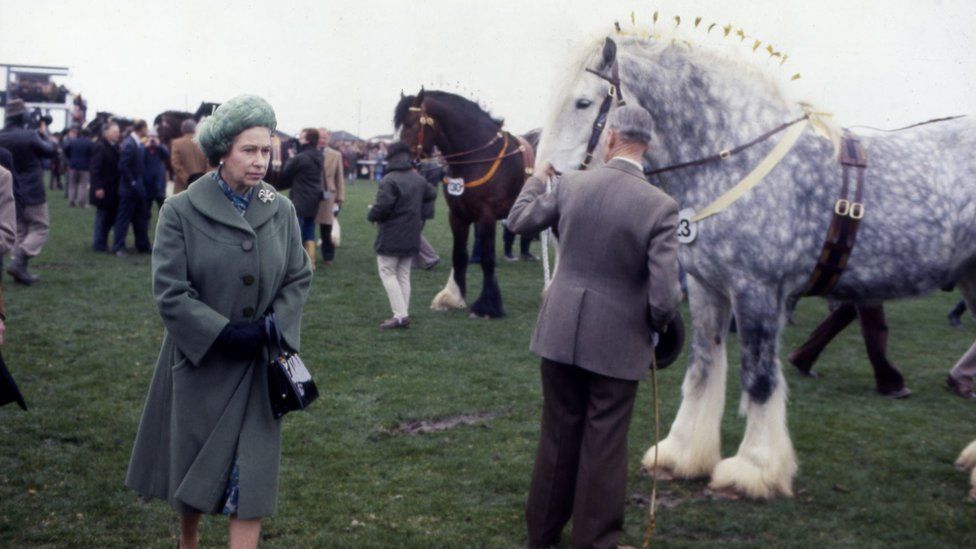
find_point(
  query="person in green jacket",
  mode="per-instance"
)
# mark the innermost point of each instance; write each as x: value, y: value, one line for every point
x: 227, y: 252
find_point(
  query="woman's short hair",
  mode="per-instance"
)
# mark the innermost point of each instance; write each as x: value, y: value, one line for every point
x: 217, y: 132
x: 632, y: 123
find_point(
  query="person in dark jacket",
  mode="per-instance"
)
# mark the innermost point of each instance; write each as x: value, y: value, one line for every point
x: 156, y: 156
x: 28, y: 148
x: 133, y: 196
x: 401, y: 199
x: 303, y: 175
x: 104, y: 193
x: 78, y: 150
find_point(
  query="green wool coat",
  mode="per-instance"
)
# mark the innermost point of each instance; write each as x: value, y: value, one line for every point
x: 210, y: 266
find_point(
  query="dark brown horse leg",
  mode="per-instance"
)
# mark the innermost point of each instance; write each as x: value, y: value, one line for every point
x: 489, y: 303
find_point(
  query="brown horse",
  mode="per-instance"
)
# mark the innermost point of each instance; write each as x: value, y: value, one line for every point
x: 487, y: 167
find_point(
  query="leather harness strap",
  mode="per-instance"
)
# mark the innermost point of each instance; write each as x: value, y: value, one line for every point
x: 843, y: 226
x: 614, y: 92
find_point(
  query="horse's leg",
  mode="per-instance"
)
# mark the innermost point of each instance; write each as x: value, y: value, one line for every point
x: 765, y: 464
x: 489, y: 303
x: 452, y: 296
x: 692, y: 448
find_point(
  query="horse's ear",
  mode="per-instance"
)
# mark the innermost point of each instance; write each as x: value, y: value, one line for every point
x: 420, y: 95
x: 609, y: 52
x: 402, y: 96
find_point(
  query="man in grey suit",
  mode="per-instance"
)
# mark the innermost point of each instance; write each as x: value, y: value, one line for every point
x: 616, y: 285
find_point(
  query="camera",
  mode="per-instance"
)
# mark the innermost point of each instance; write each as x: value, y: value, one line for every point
x: 37, y: 117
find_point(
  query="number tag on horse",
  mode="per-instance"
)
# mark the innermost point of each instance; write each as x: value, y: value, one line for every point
x: 455, y: 186
x: 687, y: 230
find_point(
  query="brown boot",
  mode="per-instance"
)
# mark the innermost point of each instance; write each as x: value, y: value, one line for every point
x: 395, y: 322
x: 962, y: 387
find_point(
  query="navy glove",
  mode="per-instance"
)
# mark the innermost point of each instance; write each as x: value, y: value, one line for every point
x: 241, y: 340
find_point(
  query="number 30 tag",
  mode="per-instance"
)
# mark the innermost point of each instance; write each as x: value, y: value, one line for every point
x: 687, y: 230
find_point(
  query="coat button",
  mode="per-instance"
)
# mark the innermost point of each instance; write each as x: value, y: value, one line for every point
x: 248, y: 279
x: 248, y: 311
x: 247, y: 245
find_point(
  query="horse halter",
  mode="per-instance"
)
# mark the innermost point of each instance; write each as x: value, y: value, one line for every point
x: 614, y: 92
x: 425, y: 120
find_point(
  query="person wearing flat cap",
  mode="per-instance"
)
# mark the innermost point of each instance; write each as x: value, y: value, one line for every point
x: 615, y: 288
x: 227, y: 252
x: 28, y: 147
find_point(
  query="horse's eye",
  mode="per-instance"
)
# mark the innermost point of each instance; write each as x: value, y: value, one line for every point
x: 583, y: 103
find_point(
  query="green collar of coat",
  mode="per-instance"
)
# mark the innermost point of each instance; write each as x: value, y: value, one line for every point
x: 206, y: 197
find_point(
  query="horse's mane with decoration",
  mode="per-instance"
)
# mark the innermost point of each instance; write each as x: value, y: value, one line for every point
x: 722, y: 47
x: 466, y: 106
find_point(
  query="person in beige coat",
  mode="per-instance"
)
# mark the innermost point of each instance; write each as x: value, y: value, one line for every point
x: 186, y: 157
x: 8, y: 221
x: 334, y: 185
x: 615, y: 286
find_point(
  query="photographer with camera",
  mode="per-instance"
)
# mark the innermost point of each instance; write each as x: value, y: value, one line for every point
x: 28, y: 147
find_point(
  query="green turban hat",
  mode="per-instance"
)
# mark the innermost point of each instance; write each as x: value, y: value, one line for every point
x: 217, y: 132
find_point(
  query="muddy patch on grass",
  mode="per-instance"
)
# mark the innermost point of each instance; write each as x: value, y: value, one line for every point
x: 666, y: 499
x: 437, y: 425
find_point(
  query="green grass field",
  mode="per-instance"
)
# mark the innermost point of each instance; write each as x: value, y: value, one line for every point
x: 83, y: 343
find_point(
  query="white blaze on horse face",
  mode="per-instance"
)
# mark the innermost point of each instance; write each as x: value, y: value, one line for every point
x: 564, y: 139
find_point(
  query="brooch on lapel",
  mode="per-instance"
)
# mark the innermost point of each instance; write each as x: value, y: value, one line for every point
x: 266, y: 196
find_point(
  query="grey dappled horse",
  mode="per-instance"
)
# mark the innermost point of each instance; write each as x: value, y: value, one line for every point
x: 754, y: 258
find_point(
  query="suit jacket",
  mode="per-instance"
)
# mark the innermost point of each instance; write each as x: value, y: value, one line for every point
x: 617, y: 276
x: 187, y: 159
x: 132, y: 169
x: 211, y: 266
x: 105, y: 174
x: 334, y: 183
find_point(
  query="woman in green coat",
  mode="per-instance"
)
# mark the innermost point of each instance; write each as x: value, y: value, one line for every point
x: 227, y: 251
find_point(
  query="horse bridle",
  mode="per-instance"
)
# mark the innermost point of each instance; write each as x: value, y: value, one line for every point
x: 427, y: 120
x: 614, y: 92
x: 424, y: 121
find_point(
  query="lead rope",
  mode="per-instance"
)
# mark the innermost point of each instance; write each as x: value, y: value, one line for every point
x: 657, y: 437
x: 546, y: 235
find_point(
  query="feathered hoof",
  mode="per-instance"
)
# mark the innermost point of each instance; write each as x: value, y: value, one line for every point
x: 445, y: 300
x: 739, y: 477
x: 675, y: 462
x: 967, y: 459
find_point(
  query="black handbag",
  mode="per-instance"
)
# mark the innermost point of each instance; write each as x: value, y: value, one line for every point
x: 290, y: 384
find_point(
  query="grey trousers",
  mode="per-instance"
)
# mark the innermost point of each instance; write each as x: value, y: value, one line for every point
x: 426, y: 255
x: 78, y: 187
x: 966, y: 367
x: 33, y: 224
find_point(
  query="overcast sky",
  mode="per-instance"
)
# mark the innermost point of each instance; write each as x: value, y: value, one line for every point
x: 343, y: 63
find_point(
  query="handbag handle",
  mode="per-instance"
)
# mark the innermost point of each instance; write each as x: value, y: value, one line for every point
x: 273, y: 332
